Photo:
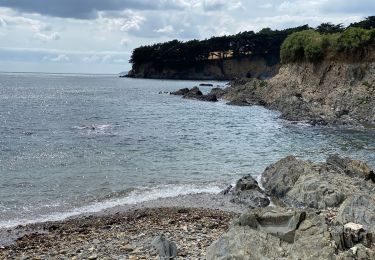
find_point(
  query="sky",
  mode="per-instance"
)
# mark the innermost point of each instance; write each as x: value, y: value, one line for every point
x: 97, y: 36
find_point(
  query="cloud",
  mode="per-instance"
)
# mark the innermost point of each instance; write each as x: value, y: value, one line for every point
x: 124, y: 42
x: 124, y: 21
x: 58, y: 58
x: 266, y: 6
x: 42, y: 31
x: 88, y: 9
x: 166, y: 29
x: 214, y: 5
x: 45, y: 37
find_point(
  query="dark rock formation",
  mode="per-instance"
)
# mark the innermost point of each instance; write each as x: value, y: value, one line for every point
x: 180, y: 92
x: 195, y: 93
x: 247, y: 192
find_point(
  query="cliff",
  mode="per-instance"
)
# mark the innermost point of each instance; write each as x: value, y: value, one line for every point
x: 329, y: 92
x: 226, y: 69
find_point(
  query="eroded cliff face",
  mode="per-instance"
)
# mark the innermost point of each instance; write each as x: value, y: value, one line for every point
x: 330, y: 92
x: 227, y: 69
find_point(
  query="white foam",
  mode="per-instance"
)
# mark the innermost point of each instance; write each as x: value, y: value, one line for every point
x: 137, y: 196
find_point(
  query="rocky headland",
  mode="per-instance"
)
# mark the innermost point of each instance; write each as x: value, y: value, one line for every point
x: 328, y: 93
x: 334, y: 93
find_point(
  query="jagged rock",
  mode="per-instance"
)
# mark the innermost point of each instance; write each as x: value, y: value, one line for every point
x: 352, y: 168
x: 274, y: 233
x: 180, y: 92
x: 247, y: 192
x: 358, y: 209
x: 166, y: 249
x: 302, y: 183
x: 357, y: 252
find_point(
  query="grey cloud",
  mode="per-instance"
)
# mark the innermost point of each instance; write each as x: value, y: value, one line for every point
x: 87, y: 9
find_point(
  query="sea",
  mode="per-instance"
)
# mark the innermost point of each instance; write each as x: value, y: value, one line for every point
x: 73, y: 144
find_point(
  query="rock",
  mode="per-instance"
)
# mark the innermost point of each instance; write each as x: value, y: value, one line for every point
x: 206, y: 85
x: 279, y: 178
x: 92, y: 257
x: 165, y: 248
x: 274, y: 233
x: 218, y: 92
x: 281, y: 222
x: 359, y: 209
x: 195, y: 93
x: 180, y: 92
x: 352, y: 168
x: 302, y: 183
x: 248, y: 192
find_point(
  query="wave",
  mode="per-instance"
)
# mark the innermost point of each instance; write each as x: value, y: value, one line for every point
x: 134, y: 197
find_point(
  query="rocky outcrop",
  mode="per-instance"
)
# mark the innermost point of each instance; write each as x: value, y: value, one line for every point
x: 195, y: 93
x: 227, y: 69
x: 247, y: 192
x: 320, y: 186
x: 330, y: 92
x: 328, y: 213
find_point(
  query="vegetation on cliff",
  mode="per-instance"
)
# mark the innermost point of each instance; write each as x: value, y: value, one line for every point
x: 313, y: 45
x: 176, y: 54
x: 290, y: 45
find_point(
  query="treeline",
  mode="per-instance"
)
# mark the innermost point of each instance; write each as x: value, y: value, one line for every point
x: 303, y: 42
x: 313, y: 45
x: 177, y: 54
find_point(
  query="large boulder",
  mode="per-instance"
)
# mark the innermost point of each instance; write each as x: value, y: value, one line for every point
x: 247, y: 192
x: 274, y: 233
x: 320, y: 186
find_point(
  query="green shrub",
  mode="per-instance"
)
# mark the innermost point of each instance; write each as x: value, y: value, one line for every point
x: 306, y: 45
x: 311, y: 46
x: 353, y: 39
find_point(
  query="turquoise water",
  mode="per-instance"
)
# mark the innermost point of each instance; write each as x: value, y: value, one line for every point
x: 81, y: 143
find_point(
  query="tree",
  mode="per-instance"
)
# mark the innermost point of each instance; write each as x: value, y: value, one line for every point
x: 330, y: 28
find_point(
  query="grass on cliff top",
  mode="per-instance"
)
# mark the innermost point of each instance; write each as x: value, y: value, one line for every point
x: 310, y: 45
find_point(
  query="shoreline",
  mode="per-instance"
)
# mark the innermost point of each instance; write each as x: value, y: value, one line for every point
x: 179, y: 218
